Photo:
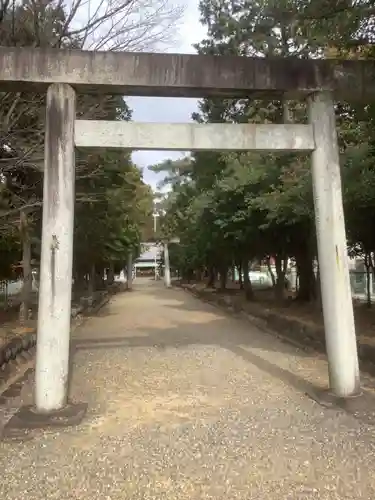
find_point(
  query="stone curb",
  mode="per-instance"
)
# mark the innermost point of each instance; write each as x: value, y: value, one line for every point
x: 295, y: 332
x: 21, y: 347
x: 13, y: 351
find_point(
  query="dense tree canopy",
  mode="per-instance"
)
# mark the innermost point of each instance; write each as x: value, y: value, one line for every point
x: 112, y: 202
x: 227, y: 209
x: 238, y: 209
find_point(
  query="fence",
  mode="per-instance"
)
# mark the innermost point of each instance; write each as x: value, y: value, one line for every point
x: 10, y: 292
x: 3, y: 293
x: 358, y: 282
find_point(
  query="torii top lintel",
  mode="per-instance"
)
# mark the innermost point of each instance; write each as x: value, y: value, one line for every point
x: 183, y: 75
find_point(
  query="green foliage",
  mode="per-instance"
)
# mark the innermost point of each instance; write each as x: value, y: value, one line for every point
x: 112, y: 205
x: 238, y: 208
x: 10, y: 251
x: 112, y: 202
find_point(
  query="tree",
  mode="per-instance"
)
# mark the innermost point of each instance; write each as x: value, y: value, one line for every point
x: 119, y: 203
x: 241, y: 208
x: 112, y: 25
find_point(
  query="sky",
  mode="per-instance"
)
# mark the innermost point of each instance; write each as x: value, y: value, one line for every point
x: 168, y: 110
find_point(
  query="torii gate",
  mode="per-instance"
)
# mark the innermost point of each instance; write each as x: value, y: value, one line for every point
x: 61, y: 73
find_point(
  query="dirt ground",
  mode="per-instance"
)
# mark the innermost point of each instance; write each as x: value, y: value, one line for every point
x: 186, y: 402
x: 9, y: 326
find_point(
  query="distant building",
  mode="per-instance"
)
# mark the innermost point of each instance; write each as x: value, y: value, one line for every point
x: 148, y: 263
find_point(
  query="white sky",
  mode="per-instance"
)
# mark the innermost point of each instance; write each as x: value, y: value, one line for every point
x: 172, y: 110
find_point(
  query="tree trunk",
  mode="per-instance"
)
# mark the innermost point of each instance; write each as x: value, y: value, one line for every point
x: 368, y: 278
x: 306, y: 281
x: 211, y: 277
x: 306, y: 252
x: 198, y: 275
x: 318, y: 292
x: 223, y: 278
x: 99, y: 279
x: 111, y: 274
x: 92, y: 278
x: 249, y: 292
x: 270, y: 271
x: 280, y: 277
x: 27, y: 287
x: 240, y: 280
x: 80, y: 284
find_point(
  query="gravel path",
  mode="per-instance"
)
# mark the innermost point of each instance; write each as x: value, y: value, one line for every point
x: 188, y: 403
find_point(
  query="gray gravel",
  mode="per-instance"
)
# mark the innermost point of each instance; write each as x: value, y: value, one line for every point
x: 188, y: 403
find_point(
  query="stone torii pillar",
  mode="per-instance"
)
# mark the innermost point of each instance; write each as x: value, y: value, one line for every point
x: 167, y: 268
x: 54, y: 315
x: 129, y: 271
x: 332, y: 250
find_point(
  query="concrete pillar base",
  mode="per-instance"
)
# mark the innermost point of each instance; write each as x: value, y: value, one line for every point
x: 328, y: 399
x: 28, y: 418
x: 360, y: 405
